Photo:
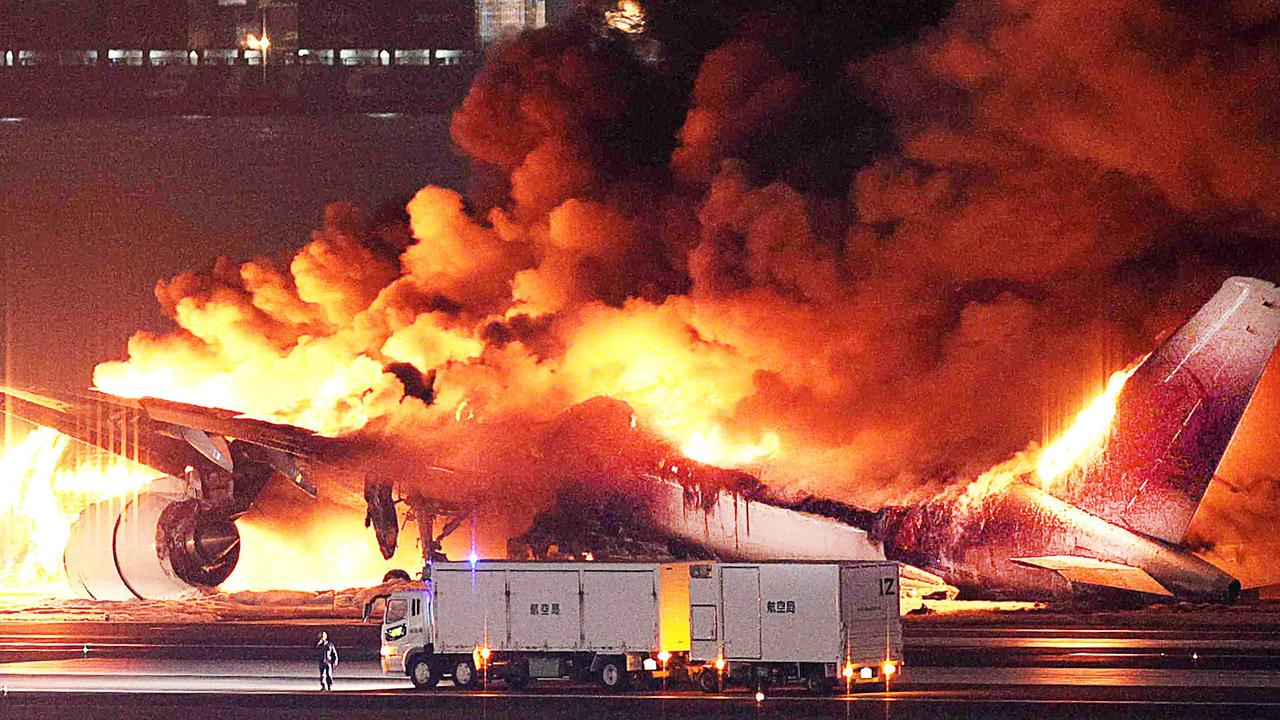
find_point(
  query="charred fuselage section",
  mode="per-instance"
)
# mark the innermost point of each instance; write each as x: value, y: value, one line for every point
x: 1116, y: 518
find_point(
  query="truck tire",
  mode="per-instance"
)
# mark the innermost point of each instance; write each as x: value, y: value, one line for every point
x: 423, y: 673
x: 612, y: 675
x: 517, y: 675
x: 465, y: 676
x: 817, y: 682
x: 709, y: 681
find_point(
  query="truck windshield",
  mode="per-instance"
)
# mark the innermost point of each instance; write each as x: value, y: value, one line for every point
x: 396, y: 610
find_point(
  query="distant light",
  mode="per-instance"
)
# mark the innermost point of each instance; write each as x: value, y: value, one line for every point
x: 889, y: 669
x: 759, y: 696
x: 12, y: 119
x: 866, y: 673
x: 485, y: 653
x: 719, y: 663
x: 649, y: 664
x: 848, y: 670
x: 473, y: 558
x: 663, y: 656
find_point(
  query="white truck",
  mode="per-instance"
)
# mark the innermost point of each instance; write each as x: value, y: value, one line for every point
x: 821, y: 623
x: 517, y: 621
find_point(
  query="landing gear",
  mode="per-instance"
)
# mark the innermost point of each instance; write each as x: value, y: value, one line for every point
x: 517, y: 675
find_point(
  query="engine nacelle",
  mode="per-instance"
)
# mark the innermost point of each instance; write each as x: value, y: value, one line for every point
x: 155, y: 546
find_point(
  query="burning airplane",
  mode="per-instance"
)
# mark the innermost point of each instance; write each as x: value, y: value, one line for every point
x: 1106, y: 506
x: 793, y: 265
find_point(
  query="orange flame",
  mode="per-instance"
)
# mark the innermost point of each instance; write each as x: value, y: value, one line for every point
x: 42, y: 491
x: 321, y: 556
x: 1090, y: 428
x: 1072, y: 448
x: 678, y: 387
x: 628, y: 17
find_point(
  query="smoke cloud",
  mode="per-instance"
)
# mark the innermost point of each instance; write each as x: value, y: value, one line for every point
x: 864, y: 252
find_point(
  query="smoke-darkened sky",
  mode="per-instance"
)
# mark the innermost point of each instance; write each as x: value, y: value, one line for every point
x: 96, y: 211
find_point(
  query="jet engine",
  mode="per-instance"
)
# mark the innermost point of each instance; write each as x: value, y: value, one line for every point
x: 157, y: 545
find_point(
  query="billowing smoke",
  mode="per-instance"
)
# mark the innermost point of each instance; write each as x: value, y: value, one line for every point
x: 862, y: 251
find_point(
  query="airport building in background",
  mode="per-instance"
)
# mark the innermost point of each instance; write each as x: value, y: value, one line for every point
x: 52, y: 25
x: 332, y: 24
x: 496, y: 19
x: 137, y: 31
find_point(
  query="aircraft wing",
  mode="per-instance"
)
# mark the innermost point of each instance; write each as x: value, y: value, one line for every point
x: 173, y: 437
x: 120, y: 428
x: 177, y: 439
x: 1091, y: 571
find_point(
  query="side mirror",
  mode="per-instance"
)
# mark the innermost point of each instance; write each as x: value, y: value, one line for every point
x: 368, y: 607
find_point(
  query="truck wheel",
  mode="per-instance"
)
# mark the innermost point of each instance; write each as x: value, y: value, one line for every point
x: 709, y: 681
x: 517, y: 676
x: 423, y: 674
x: 817, y: 682
x: 464, y: 674
x: 613, y: 674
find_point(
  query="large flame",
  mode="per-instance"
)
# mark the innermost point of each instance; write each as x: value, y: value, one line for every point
x: 1087, y: 432
x: 43, y: 488
x: 1071, y: 449
x: 330, y: 556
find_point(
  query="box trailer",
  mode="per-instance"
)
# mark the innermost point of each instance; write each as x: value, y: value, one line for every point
x: 820, y: 623
x: 517, y: 621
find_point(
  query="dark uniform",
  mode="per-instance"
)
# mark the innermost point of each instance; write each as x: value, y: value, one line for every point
x: 327, y: 657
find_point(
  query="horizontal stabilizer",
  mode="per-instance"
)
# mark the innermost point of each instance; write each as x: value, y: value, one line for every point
x: 1091, y: 571
x: 920, y: 583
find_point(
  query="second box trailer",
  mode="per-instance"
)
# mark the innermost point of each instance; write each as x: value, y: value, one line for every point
x: 820, y: 623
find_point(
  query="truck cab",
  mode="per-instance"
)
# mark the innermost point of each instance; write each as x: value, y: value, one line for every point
x: 406, y: 632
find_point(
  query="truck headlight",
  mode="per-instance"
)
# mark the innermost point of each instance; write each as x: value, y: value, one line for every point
x: 889, y: 668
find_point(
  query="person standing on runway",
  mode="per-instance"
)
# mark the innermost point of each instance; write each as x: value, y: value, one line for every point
x: 327, y: 656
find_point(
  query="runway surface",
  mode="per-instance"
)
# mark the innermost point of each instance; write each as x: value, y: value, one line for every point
x: 260, y: 671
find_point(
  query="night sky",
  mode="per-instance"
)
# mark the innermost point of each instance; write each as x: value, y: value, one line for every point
x: 96, y: 211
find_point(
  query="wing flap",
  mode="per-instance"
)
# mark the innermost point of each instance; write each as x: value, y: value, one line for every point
x: 1092, y: 571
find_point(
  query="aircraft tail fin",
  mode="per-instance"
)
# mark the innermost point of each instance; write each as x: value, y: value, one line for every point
x: 1177, y: 413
